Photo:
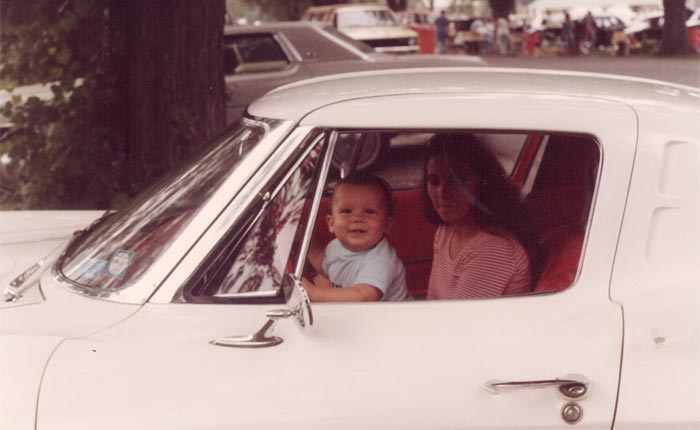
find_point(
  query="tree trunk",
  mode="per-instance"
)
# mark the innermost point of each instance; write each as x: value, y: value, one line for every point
x: 397, y: 5
x: 174, y: 80
x: 501, y: 8
x: 674, y: 38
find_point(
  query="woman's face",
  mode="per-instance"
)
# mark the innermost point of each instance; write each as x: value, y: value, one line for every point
x: 451, y: 189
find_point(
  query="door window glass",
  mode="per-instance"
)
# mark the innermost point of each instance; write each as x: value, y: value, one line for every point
x: 253, y: 258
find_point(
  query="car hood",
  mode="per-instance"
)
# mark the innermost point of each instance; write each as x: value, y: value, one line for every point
x: 28, y: 236
x: 375, y: 33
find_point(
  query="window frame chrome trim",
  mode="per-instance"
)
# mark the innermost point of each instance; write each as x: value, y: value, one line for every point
x: 240, y: 233
x: 172, y: 287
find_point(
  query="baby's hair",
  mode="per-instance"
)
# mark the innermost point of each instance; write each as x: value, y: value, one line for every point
x: 368, y: 179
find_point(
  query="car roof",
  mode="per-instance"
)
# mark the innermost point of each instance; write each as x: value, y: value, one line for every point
x: 274, y: 26
x: 295, y: 100
x: 362, y: 6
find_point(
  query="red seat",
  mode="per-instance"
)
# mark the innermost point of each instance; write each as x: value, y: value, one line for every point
x: 562, y: 255
x: 559, y: 205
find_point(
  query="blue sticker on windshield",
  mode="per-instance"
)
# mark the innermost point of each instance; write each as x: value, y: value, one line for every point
x: 93, y: 268
x: 118, y: 264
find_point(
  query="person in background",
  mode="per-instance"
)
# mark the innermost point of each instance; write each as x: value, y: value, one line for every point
x: 441, y: 27
x: 568, y: 34
x: 484, y: 245
x: 503, y: 35
x: 589, y: 31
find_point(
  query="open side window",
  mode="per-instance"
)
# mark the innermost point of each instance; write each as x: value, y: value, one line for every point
x: 555, y: 174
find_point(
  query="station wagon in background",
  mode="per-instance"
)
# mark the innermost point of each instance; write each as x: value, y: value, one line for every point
x: 373, y: 24
x: 185, y: 308
x: 260, y: 58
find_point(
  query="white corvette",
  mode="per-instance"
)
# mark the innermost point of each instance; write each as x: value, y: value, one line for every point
x: 184, y: 310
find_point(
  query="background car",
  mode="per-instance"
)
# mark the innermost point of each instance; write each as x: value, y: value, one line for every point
x: 372, y: 24
x: 421, y: 22
x: 184, y: 309
x: 606, y: 27
x: 260, y: 58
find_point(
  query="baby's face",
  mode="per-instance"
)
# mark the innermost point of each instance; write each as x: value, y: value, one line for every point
x: 358, y: 216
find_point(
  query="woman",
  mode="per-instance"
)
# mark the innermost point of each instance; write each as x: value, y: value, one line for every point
x: 483, y: 246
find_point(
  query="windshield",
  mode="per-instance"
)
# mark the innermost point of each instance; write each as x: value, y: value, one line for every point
x: 365, y: 18
x: 118, y: 251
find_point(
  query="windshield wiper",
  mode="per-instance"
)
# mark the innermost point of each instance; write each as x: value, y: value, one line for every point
x: 79, y: 237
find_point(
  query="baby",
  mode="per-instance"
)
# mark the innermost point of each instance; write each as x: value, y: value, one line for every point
x: 359, y: 264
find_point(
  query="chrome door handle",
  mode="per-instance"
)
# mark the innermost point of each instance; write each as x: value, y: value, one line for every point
x: 572, y: 387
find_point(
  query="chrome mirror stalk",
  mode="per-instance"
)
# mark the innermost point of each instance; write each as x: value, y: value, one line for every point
x: 299, y: 308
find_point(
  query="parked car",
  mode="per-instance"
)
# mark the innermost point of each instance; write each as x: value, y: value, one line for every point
x: 22, y: 93
x: 421, y: 22
x: 170, y: 313
x: 609, y: 31
x: 372, y: 24
x: 260, y: 58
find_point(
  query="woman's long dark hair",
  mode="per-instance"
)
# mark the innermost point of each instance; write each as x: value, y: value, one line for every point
x: 496, y: 207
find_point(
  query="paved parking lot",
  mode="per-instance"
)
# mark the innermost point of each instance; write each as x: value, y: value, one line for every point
x: 685, y: 70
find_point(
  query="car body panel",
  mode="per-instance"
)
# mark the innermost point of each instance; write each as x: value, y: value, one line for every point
x: 295, y: 101
x: 28, y: 236
x: 331, y: 378
x: 346, y: 365
x: 627, y: 325
x: 372, y: 33
x: 36, y: 330
x: 657, y: 263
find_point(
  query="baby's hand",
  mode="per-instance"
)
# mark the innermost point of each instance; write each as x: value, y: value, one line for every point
x: 322, y: 281
x: 312, y: 288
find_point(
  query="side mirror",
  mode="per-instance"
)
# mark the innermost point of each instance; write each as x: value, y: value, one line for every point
x: 298, y: 302
x: 298, y: 306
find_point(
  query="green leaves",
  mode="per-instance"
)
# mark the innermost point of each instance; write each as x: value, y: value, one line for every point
x: 67, y: 152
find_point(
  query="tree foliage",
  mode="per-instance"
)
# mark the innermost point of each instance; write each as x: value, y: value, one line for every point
x: 136, y: 86
x: 66, y: 152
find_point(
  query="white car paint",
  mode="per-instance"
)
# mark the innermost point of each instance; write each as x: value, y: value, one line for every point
x: 629, y: 324
x: 28, y: 236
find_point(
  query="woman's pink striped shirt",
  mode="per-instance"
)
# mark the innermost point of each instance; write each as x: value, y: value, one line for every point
x: 488, y: 266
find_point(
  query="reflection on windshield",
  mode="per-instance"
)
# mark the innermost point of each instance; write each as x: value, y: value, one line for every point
x: 266, y: 250
x: 118, y: 252
x: 365, y: 18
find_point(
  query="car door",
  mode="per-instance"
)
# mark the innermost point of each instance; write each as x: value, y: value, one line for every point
x: 484, y: 363
x: 254, y: 64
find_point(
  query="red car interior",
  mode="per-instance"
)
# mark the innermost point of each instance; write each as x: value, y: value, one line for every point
x: 558, y: 206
